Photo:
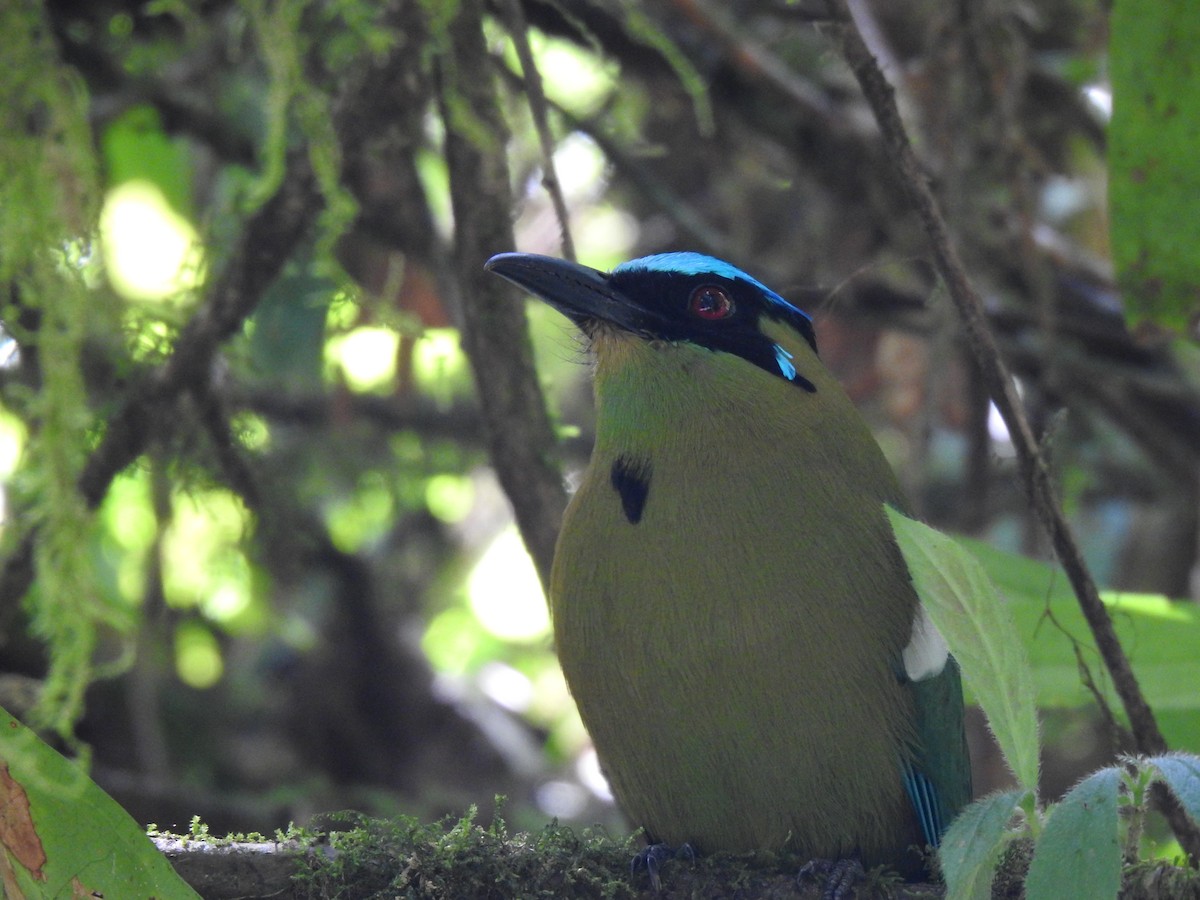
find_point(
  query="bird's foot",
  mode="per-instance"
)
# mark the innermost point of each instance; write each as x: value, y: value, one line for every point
x: 841, y: 876
x: 652, y: 858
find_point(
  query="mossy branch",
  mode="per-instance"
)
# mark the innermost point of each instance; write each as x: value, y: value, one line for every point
x: 462, y: 858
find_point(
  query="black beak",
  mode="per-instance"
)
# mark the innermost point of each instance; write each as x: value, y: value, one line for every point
x: 583, y: 294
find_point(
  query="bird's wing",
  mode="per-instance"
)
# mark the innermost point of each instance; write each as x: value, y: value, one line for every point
x: 938, y: 777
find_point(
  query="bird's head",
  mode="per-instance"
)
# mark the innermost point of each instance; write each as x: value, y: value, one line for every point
x: 670, y: 299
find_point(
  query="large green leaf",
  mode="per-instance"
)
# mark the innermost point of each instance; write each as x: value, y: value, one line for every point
x: 1154, y: 143
x: 64, y: 837
x: 979, y: 627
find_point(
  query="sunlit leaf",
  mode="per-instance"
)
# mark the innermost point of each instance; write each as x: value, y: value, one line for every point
x: 1161, y: 637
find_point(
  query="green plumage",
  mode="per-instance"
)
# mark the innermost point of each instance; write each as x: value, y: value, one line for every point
x: 733, y: 635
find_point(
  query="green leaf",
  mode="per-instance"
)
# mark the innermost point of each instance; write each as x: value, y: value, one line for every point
x: 136, y: 147
x: 1078, y: 854
x: 979, y: 627
x: 1181, y: 772
x: 1154, y: 141
x: 64, y: 836
x: 973, y: 842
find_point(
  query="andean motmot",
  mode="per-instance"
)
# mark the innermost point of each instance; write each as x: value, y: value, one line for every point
x: 731, y: 612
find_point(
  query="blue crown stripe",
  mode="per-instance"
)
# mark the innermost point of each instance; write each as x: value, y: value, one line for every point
x: 690, y: 263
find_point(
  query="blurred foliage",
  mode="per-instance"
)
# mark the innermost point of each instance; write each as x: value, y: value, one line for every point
x: 1155, y: 129
x: 47, y: 209
x: 303, y: 592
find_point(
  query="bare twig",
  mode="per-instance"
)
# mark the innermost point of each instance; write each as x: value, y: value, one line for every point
x: 683, y: 214
x: 757, y: 60
x: 993, y: 369
x: 868, y: 28
x: 518, y: 28
x: 1034, y: 471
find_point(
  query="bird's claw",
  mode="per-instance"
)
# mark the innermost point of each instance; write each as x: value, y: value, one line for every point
x: 841, y: 876
x: 652, y: 858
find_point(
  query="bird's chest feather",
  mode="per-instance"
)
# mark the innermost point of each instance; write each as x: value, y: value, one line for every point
x: 691, y: 544
x: 733, y: 512
x: 720, y: 534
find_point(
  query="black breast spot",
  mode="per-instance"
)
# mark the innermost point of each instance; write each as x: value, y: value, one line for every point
x: 631, y: 480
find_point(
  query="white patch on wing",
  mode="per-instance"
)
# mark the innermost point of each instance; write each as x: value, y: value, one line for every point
x: 927, y: 651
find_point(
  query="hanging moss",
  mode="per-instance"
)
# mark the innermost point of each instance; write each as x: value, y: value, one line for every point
x: 49, y: 201
x: 292, y: 48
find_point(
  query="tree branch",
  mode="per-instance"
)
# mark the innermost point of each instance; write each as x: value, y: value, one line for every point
x: 237, y: 869
x: 518, y: 29
x: 553, y: 862
x: 268, y: 241
x: 1034, y: 471
x: 270, y: 237
x: 494, y: 332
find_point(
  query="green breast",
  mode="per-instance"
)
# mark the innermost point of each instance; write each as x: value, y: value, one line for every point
x: 732, y: 652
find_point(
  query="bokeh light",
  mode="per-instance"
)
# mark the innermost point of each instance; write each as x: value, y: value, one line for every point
x: 203, y: 562
x: 505, y: 593
x: 197, y: 656
x: 450, y: 497
x: 150, y: 251
x: 365, y: 357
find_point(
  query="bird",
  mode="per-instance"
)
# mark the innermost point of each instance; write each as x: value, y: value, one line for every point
x: 731, y: 612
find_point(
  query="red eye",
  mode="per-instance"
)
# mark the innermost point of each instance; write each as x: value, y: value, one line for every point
x: 710, y: 302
